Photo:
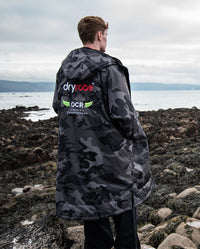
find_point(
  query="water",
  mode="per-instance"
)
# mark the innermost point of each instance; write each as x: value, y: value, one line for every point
x: 142, y: 100
x: 40, y: 99
x: 155, y: 100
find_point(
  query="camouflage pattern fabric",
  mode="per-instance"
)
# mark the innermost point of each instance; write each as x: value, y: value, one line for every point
x: 103, y: 165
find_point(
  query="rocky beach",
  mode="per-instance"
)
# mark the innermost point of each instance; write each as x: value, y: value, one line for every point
x: 169, y: 219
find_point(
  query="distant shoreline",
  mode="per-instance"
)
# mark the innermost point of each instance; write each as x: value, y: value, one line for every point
x: 26, y: 86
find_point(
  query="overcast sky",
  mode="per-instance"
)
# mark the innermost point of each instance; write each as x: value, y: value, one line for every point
x: 158, y: 40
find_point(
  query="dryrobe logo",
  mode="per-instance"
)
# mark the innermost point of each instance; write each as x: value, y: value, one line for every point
x: 78, y: 87
x: 77, y: 104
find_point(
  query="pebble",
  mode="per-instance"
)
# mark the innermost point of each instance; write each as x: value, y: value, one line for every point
x: 17, y: 191
x: 26, y: 222
x: 143, y: 246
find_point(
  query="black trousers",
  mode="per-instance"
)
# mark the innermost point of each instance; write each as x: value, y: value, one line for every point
x: 99, y: 235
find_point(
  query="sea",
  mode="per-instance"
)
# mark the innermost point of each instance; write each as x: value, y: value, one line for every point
x: 142, y: 101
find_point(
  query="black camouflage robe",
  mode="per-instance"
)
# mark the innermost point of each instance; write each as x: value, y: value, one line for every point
x: 103, y: 165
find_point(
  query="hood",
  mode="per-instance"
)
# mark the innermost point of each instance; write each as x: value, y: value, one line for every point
x: 82, y: 63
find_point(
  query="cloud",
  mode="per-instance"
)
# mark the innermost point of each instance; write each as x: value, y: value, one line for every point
x: 157, y: 40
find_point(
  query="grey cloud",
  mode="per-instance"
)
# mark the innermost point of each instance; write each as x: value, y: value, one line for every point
x: 156, y: 38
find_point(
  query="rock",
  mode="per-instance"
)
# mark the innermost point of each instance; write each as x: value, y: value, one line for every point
x: 156, y: 238
x: 185, y: 206
x: 54, y: 153
x: 188, y: 169
x: 37, y: 187
x: 163, y: 226
x: 51, y: 232
x: 144, y: 231
x: 26, y: 222
x: 160, y: 215
x: 143, y: 213
x: 164, y: 213
x: 177, y: 167
x: 173, y: 223
x: 76, y: 234
x: 175, y: 240
x: 190, y: 229
x: 24, y: 206
x: 197, y: 214
x: 10, y: 148
x: 17, y: 191
x: 143, y: 246
x: 25, y: 127
x: 187, y: 192
x: 169, y: 173
x: 34, y: 217
x: 193, y: 223
x: 27, y: 188
x: 173, y: 195
x: 56, y: 130
x: 146, y: 228
x: 158, y: 198
x: 181, y: 129
x: 39, y: 151
x: 172, y: 138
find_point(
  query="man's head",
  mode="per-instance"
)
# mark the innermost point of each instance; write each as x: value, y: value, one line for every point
x: 93, y: 31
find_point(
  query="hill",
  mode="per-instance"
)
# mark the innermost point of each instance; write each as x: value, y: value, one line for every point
x: 25, y: 86
x: 162, y: 86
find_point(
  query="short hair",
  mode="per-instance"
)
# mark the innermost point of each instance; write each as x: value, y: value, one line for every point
x: 89, y: 26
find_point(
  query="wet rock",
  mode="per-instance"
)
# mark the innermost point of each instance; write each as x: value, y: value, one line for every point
x: 51, y: 232
x: 33, y: 201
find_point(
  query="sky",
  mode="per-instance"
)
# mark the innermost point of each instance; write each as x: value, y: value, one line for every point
x: 158, y: 40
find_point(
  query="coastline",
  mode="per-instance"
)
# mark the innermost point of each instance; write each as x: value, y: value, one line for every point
x: 28, y: 164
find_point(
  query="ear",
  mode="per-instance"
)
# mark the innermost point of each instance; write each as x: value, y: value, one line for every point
x: 99, y: 35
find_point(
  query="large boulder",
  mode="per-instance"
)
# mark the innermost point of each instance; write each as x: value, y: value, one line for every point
x: 175, y: 240
x: 190, y: 229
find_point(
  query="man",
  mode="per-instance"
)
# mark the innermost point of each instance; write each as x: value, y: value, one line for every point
x: 103, y: 166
